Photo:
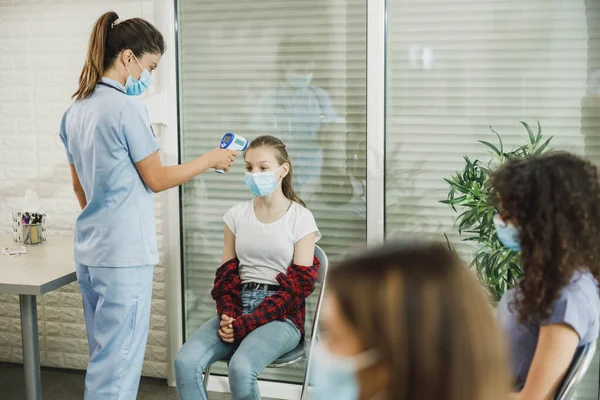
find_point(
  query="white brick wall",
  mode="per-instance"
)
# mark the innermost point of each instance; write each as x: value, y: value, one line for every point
x: 42, y: 48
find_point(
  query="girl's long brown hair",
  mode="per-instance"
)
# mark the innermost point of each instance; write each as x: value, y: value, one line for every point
x: 427, y: 318
x: 109, y: 38
x: 282, y: 157
x: 555, y: 201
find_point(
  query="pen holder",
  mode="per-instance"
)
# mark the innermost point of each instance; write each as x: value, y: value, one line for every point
x: 32, y: 234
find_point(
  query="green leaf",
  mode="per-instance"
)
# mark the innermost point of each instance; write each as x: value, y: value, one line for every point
x: 458, y: 187
x: 541, y: 149
x: 539, y: 134
x: 467, y: 221
x: 471, y: 238
x: 499, y: 140
x: 454, y: 201
x: 491, y: 146
x: 529, y: 132
x: 452, y: 249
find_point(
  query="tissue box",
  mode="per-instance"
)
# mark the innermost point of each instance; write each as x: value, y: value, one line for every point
x: 19, y: 228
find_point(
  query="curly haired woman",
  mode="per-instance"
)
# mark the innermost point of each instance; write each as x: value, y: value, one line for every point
x: 550, y: 212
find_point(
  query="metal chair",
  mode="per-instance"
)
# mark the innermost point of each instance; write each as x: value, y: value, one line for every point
x: 304, y: 350
x: 581, y: 362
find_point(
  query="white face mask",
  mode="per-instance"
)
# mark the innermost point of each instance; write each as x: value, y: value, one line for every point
x: 298, y: 81
x: 262, y: 183
x: 334, y: 376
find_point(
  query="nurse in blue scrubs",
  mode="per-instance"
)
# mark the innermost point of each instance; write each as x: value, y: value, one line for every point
x: 115, y: 167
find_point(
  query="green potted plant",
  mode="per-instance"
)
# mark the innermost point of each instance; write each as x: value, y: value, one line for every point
x: 470, y: 197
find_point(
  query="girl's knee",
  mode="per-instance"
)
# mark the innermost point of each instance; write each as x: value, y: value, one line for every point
x: 182, y: 362
x: 241, y: 367
x: 188, y: 363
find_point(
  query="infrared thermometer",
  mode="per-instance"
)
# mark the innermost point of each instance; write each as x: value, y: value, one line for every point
x: 234, y: 142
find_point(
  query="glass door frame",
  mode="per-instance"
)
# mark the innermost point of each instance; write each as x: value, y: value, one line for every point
x: 168, y: 23
x: 376, y: 62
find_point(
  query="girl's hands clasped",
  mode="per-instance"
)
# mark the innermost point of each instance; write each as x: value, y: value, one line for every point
x: 226, y: 330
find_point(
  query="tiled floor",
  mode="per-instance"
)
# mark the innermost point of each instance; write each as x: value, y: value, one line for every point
x: 59, y: 384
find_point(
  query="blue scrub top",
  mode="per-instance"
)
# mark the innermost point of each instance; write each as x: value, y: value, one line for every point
x: 578, y: 307
x: 105, y: 135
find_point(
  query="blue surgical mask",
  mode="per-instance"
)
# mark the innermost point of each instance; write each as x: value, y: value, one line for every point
x: 135, y: 87
x: 262, y: 183
x: 334, y: 377
x: 508, y: 234
x: 299, y: 81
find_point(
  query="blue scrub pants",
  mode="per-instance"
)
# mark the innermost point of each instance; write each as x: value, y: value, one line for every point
x: 116, y: 304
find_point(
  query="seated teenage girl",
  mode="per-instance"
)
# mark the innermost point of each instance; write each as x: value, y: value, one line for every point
x: 550, y: 213
x: 268, y: 271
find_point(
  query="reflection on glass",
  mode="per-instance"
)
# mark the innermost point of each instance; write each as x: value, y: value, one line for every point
x: 287, y: 68
x: 296, y: 110
x: 590, y: 110
x: 347, y: 183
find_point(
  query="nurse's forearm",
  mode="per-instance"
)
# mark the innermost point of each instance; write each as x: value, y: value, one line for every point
x: 179, y: 174
x: 77, y: 188
x: 160, y: 178
x: 81, y: 198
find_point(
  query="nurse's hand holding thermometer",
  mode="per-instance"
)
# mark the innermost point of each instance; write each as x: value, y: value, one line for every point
x: 234, y: 142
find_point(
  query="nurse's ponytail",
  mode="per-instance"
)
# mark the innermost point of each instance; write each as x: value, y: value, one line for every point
x: 94, y: 61
x: 110, y: 36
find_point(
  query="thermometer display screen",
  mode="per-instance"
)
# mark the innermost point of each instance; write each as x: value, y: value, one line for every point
x: 239, y: 142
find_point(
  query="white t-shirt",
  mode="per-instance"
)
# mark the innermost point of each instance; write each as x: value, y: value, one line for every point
x: 265, y: 250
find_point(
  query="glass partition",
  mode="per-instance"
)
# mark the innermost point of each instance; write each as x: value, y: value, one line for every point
x: 239, y: 66
x: 456, y: 68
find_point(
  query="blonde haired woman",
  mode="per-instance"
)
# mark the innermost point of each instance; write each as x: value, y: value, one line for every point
x: 408, y: 322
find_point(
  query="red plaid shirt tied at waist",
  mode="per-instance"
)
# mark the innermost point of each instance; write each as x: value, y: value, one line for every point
x: 286, y: 303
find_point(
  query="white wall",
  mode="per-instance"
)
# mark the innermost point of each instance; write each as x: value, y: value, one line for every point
x: 42, y: 48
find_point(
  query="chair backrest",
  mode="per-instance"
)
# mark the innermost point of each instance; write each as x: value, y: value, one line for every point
x: 324, y: 261
x: 322, y: 278
x: 581, y: 362
x: 322, y: 257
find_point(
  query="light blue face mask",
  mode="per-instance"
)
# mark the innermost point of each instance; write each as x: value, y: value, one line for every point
x: 334, y: 377
x: 299, y: 81
x: 135, y: 87
x: 262, y: 183
x: 508, y: 234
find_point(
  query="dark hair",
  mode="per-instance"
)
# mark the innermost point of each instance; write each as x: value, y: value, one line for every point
x: 428, y: 320
x: 282, y: 157
x: 555, y: 201
x: 109, y: 38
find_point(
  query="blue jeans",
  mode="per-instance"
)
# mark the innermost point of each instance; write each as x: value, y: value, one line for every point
x: 116, y: 305
x: 259, y: 349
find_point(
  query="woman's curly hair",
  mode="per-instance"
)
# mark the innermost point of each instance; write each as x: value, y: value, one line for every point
x: 555, y: 201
